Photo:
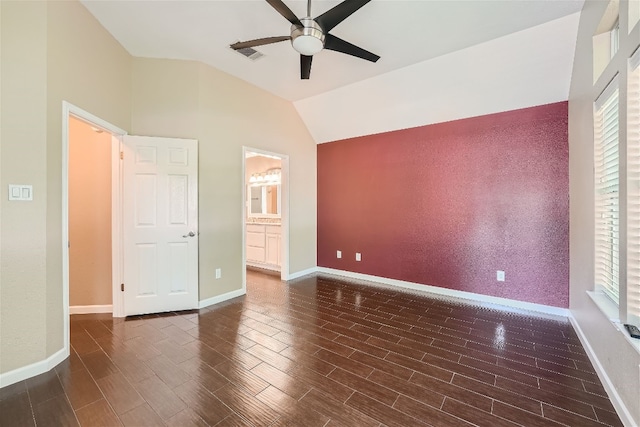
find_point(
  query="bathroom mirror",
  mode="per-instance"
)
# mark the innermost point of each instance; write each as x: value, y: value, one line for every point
x: 263, y: 201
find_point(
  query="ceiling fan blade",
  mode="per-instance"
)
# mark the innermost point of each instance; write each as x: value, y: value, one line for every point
x: 284, y: 10
x: 305, y: 66
x: 259, y: 42
x: 337, y: 44
x: 339, y: 13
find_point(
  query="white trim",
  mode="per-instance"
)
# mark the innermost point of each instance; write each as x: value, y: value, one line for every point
x: 117, y: 264
x: 284, y: 227
x: 512, y: 304
x: 90, y: 309
x: 244, y: 220
x: 69, y: 110
x: 606, y: 305
x: 221, y: 298
x: 608, y: 91
x: 634, y: 61
x: 297, y: 274
x: 33, y: 369
x: 117, y: 237
x: 612, y: 312
x: 618, y: 404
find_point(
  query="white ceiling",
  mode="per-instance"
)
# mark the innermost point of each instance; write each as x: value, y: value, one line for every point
x: 524, y: 69
x: 402, y: 32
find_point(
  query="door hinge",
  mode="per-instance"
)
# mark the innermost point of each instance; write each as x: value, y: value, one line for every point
x: 121, y: 155
x: 122, y: 287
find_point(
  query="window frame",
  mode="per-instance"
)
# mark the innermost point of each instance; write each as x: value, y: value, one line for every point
x: 606, y: 116
x: 630, y: 313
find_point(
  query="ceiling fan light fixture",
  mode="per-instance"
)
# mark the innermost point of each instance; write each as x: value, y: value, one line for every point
x: 307, y: 45
x: 308, y: 39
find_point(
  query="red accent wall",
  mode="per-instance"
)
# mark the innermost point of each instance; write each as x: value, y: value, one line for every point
x: 449, y: 204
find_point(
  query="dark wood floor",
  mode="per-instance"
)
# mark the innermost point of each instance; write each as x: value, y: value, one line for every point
x: 317, y: 352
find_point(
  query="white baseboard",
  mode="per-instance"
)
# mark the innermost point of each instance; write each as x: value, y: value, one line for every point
x: 618, y: 404
x: 33, y: 369
x: 90, y: 309
x: 505, y: 302
x: 297, y: 274
x: 221, y: 298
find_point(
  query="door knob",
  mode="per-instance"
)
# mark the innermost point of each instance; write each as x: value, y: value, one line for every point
x: 191, y: 234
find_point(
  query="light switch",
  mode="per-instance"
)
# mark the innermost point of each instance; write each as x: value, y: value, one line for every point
x: 20, y: 192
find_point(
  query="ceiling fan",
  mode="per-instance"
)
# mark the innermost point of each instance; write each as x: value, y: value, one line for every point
x: 309, y: 36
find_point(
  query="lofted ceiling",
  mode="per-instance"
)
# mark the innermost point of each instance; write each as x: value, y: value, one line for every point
x: 402, y: 32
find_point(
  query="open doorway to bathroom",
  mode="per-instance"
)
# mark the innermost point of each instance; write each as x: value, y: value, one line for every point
x: 263, y: 213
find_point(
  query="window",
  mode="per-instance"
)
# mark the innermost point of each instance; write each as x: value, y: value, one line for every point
x: 633, y: 190
x: 607, y: 200
x: 634, y: 13
x: 606, y: 39
x: 614, y: 36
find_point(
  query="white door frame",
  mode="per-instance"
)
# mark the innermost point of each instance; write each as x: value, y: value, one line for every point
x: 69, y: 110
x: 284, y: 215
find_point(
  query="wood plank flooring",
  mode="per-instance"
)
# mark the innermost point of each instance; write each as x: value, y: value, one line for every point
x: 317, y: 352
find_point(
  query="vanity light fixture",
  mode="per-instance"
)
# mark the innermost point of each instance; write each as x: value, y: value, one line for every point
x: 272, y: 176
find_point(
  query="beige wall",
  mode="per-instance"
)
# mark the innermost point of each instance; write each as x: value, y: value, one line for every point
x: 89, y: 215
x: 23, y: 129
x: 617, y: 357
x: 192, y: 100
x: 54, y: 51
x: 51, y: 51
x: 87, y: 67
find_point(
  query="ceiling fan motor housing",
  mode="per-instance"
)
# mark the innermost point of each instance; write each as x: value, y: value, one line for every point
x: 308, y: 39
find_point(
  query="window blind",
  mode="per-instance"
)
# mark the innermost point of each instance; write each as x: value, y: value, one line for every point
x: 633, y: 194
x: 607, y: 201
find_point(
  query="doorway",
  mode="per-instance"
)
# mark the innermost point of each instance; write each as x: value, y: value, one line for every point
x: 90, y: 253
x: 70, y: 111
x: 265, y: 212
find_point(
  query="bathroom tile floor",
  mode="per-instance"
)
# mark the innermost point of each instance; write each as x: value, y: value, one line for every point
x: 318, y: 351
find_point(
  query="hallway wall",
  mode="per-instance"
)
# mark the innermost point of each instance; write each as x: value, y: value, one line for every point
x: 89, y: 215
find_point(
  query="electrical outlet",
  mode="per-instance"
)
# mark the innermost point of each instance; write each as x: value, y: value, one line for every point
x: 358, y: 256
x: 500, y: 276
x: 338, y: 254
x: 218, y: 273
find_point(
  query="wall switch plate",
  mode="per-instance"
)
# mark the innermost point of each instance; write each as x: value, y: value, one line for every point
x: 338, y: 254
x: 218, y: 273
x: 500, y: 276
x: 358, y: 256
x: 20, y: 192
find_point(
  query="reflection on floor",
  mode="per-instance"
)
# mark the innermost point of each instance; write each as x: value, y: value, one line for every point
x: 317, y: 352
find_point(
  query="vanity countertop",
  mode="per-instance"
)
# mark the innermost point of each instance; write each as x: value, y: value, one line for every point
x: 264, y: 221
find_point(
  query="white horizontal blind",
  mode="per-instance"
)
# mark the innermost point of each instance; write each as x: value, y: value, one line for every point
x: 633, y: 194
x: 607, y: 202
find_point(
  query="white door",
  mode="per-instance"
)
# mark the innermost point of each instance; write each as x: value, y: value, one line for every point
x: 160, y: 224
